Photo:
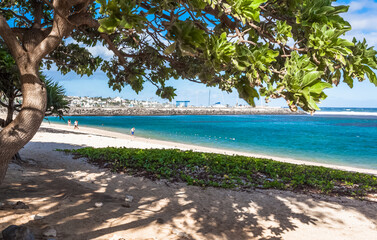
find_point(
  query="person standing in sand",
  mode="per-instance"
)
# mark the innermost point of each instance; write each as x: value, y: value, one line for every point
x: 69, y: 122
x: 76, y: 125
x: 132, y: 131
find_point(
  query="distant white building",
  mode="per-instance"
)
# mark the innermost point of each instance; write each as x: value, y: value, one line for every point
x: 118, y: 99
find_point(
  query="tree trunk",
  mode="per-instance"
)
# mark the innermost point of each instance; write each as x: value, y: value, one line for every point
x: 10, y: 110
x: 22, y: 129
x: 36, y: 44
x: 9, y: 119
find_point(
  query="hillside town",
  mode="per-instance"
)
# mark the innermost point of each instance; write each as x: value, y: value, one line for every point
x: 99, y: 106
x: 102, y: 102
x: 117, y: 102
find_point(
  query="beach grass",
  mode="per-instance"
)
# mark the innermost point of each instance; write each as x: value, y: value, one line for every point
x: 228, y: 171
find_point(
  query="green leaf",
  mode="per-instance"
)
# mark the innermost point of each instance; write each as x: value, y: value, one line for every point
x: 108, y: 25
x: 186, y: 50
x: 310, y: 77
x: 347, y: 79
x: 256, y: 3
x: 319, y: 87
x: 311, y: 102
x: 169, y: 50
x: 238, y: 66
x: 371, y: 75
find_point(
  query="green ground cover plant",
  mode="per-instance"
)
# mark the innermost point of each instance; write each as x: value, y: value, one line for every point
x: 228, y: 171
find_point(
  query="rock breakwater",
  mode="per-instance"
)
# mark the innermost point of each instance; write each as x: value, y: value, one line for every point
x: 138, y: 111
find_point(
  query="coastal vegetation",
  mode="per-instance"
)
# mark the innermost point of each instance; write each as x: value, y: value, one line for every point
x: 236, y: 172
x: 290, y: 49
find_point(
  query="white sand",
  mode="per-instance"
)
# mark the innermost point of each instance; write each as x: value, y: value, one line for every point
x: 64, y: 190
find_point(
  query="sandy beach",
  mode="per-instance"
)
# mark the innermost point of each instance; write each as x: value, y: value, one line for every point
x: 64, y: 192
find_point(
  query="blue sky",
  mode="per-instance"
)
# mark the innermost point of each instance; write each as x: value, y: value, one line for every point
x: 362, y: 16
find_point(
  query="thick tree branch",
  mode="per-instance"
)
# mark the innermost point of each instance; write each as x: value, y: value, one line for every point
x: 38, y: 12
x: 10, y: 39
x: 113, y: 48
x: 62, y: 26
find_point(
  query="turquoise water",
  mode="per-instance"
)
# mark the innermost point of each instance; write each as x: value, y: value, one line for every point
x: 340, y: 140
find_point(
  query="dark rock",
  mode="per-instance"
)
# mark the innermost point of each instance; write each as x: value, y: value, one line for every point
x: 14, y: 232
x: 126, y: 205
x: 20, y: 205
x: 160, y: 221
x: 50, y: 232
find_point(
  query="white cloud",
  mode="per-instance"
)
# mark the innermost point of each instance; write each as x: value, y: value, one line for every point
x: 370, y: 37
x: 98, y: 50
x: 101, y: 51
x: 362, y: 15
x: 362, y: 21
x: 362, y: 5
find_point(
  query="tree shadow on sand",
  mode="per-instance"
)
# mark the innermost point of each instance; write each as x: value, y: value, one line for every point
x: 66, y: 196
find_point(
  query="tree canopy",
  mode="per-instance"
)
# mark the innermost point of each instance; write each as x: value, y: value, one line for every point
x: 291, y: 49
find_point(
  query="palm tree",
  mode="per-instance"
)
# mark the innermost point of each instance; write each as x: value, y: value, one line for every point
x: 56, y: 102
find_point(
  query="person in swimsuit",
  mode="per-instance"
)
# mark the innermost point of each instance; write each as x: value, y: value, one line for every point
x: 76, y: 125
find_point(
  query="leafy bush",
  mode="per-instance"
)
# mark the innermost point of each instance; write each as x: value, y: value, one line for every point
x: 238, y: 172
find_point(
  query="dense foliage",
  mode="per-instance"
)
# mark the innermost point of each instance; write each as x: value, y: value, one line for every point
x: 291, y: 49
x: 238, y: 172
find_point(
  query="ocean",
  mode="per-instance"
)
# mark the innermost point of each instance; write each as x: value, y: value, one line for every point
x: 346, y: 140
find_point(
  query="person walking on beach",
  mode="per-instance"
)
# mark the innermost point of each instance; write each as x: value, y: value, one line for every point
x: 69, y: 122
x: 76, y: 125
x: 132, y: 131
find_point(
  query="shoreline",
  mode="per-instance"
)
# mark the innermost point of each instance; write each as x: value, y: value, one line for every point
x: 155, y: 143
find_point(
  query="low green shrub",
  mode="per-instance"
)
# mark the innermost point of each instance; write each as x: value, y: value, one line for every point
x: 238, y: 172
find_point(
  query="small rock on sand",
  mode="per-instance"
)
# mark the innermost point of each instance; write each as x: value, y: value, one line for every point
x: 37, y: 217
x: 20, y: 205
x: 98, y: 204
x: 179, y: 233
x: 50, y: 232
x: 129, y: 198
x: 126, y: 205
x: 14, y: 166
x: 14, y: 232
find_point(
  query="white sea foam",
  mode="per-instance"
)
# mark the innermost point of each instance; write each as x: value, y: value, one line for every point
x: 347, y: 113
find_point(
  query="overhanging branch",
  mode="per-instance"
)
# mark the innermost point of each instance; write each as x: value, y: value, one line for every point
x: 10, y: 39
